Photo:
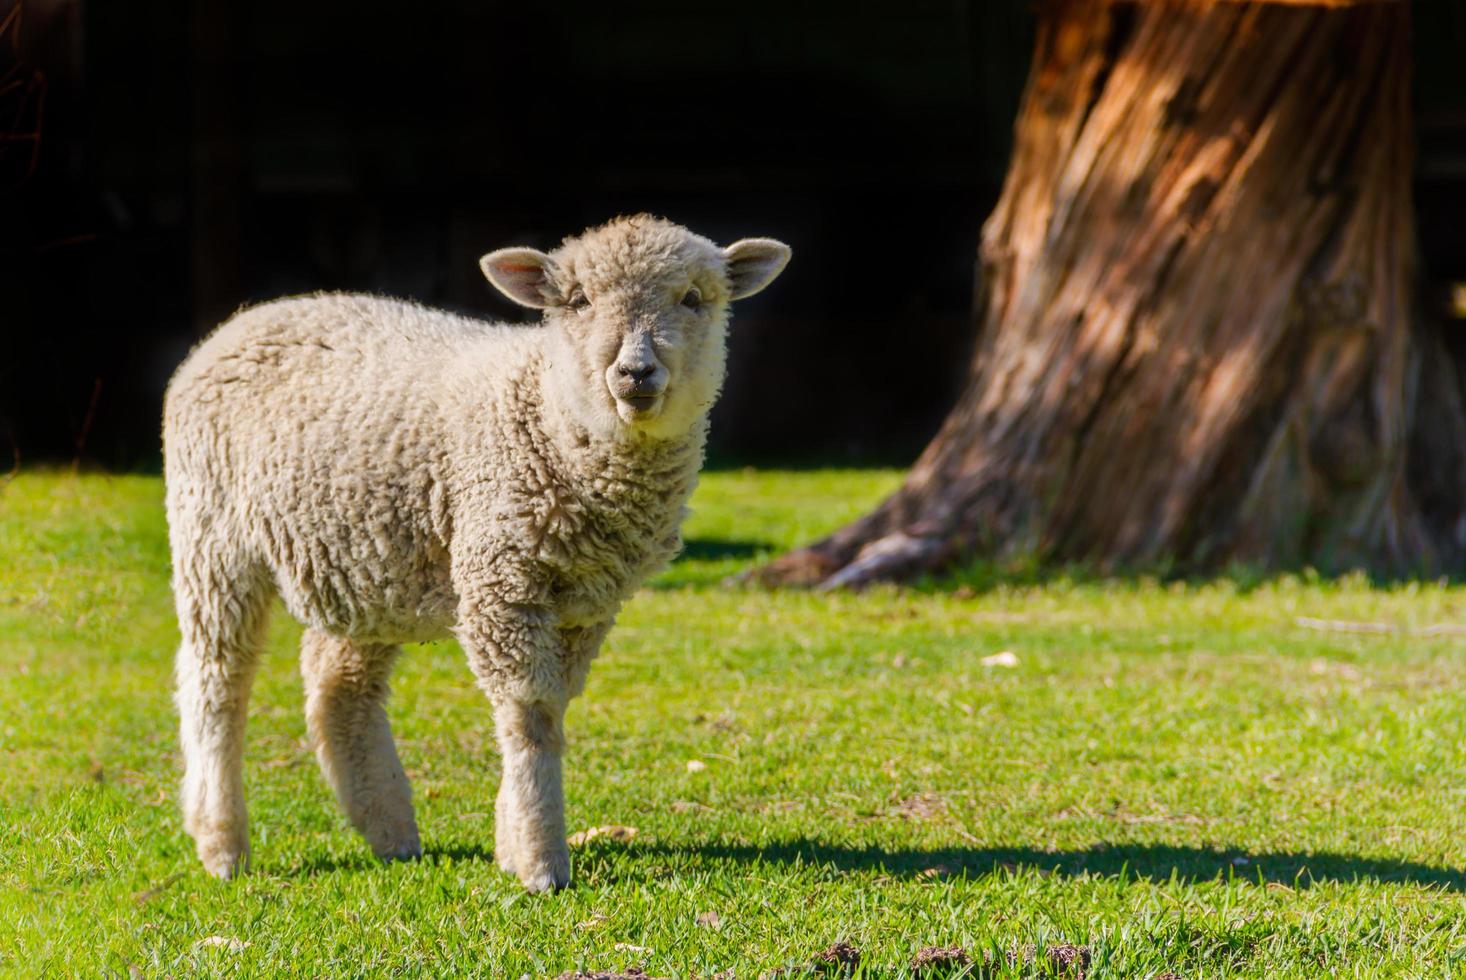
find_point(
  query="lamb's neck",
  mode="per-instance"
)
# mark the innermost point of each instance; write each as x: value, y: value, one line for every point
x: 633, y: 470
x: 593, y: 450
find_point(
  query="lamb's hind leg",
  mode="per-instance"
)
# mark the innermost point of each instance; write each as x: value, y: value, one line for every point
x: 222, y: 618
x: 346, y: 684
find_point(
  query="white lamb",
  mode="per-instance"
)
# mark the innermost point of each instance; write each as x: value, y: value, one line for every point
x: 396, y: 474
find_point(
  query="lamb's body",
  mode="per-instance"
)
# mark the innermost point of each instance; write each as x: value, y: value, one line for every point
x: 396, y: 473
x: 323, y: 439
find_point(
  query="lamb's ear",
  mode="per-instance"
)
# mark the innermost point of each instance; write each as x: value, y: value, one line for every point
x: 753, y: 263
x: 525, y: 275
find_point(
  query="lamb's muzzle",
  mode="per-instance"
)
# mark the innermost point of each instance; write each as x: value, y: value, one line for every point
x: 638, y: 384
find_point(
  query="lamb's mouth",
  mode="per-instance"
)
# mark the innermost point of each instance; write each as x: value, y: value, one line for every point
x: 638, y: 407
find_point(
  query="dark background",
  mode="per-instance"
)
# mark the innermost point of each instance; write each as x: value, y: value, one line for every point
x: 168, y: 161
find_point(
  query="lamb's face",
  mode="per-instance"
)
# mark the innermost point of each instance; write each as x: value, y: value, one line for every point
x: 642, y: 307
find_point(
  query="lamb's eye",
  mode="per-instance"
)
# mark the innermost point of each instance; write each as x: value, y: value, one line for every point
x: 692, y: 299
x: 577, y: 300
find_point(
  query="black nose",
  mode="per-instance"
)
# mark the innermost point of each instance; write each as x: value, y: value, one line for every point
x: 637, y: 372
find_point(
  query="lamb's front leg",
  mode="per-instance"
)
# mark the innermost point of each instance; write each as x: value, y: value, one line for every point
x: 519, y: 660
x: 530, y: 814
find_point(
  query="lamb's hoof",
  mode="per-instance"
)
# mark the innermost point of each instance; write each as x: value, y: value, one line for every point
x: 224, y: 859
x: 405, y: 852
x: 546, y: 881
x: 402, y: 846
x: 546, y: 875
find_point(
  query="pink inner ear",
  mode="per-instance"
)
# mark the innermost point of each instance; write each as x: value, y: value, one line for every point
x: 517, y: 269
x: 521, y: 274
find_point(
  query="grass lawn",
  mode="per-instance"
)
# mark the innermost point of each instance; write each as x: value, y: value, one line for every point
x: 1181, y: 777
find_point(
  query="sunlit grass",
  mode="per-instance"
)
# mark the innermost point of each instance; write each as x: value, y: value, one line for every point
x: 1180, y: 776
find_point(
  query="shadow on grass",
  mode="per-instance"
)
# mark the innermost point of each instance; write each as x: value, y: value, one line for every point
x: 1155, y: 863
x: 1148, y: 862
x: 718, y: 549
x: 983, y: 576
x: 980, y: 577
x: 702, y: 562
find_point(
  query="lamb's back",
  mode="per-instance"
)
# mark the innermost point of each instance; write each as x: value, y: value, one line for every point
x: 330, y: 348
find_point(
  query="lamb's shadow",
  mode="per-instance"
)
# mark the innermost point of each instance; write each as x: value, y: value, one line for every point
x: 1148, y: 862
x: 460, y: 852
x: 322, y: 862
x: 1155, y: 863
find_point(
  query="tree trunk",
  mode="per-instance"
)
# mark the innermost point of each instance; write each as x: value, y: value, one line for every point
x: 1198, y: 343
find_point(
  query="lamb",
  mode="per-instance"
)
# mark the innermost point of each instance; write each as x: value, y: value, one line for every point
x: 397, y: 474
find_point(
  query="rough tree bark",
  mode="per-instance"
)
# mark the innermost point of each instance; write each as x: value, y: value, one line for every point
x: 1198, y: 342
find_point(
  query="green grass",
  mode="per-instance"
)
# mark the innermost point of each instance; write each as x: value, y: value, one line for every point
x: 1180, y: 776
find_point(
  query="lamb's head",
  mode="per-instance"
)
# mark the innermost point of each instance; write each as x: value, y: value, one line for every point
x: 639, y: 311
